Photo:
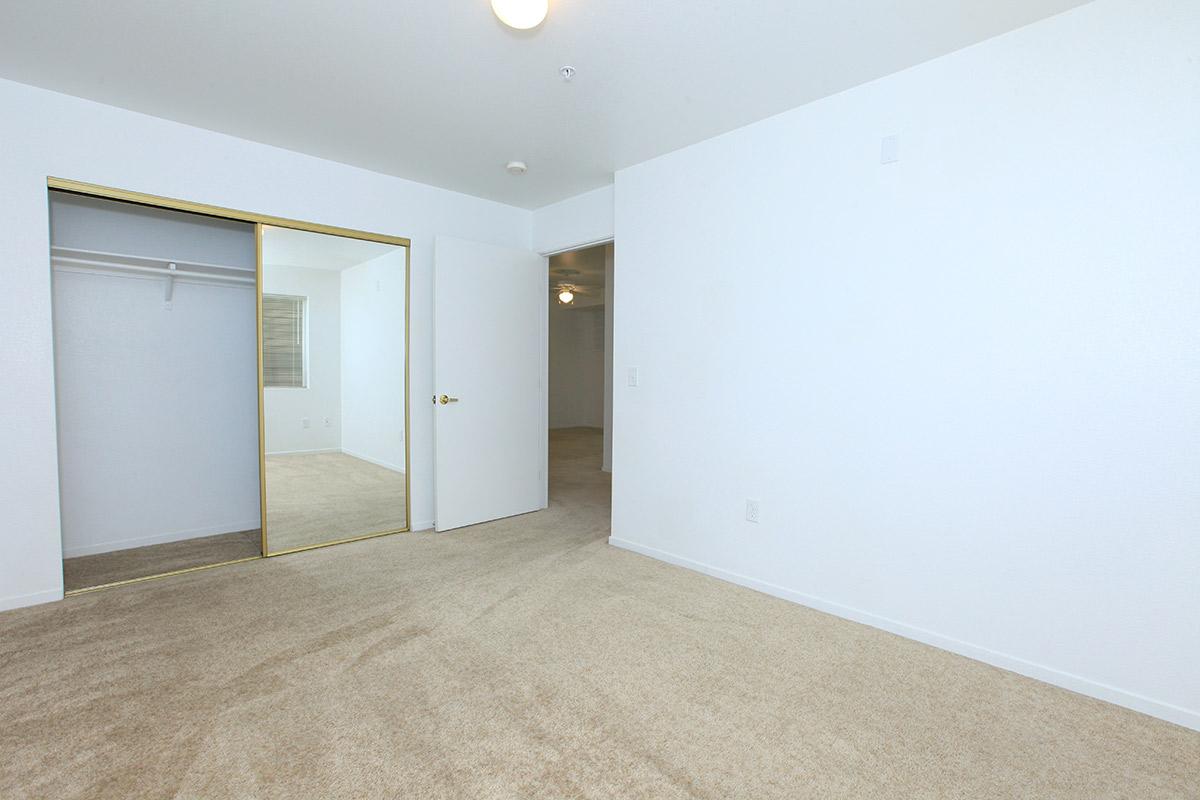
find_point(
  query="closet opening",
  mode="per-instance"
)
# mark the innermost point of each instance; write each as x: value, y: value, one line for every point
x: 156, y: 380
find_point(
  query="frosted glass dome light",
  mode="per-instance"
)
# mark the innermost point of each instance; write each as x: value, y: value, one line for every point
x: 566, y: 296
x: 521, y: 14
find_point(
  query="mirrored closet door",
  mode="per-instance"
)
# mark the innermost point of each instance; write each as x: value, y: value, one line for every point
x: 229, y: 385
x: 333, y: 387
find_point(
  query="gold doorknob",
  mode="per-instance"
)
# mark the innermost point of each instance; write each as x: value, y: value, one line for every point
x: 447, y: 399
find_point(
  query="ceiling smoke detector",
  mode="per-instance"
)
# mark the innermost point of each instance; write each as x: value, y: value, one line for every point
x: 516, y: 168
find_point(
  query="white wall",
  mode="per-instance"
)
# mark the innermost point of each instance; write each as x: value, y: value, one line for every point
x: 576, y: 395
x: 158, y: 411
x: 320, y: 402
x: 964, y: 386
x: 139, y: 382
x: 576, y: 222
x: 52, y: 134
x: 373, y: 360
x: 94, y: 223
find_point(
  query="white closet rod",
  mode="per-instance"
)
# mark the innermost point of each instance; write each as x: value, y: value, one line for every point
x: 163, y: 271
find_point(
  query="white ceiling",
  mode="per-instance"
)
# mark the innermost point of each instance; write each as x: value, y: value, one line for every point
x: 441, y: 92
x: 286, y: 247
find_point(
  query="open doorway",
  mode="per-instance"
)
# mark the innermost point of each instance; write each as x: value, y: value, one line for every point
x: 524, y: 411
x: 580, y: 370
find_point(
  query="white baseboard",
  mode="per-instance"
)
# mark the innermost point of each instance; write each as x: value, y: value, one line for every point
x: 23, y: 600
x: 422, y: 526
x: 343, y: 451
x: 158, y: 538
x: 1188, y: 718
x: 375, y: 461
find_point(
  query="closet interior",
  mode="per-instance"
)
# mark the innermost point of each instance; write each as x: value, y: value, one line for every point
x: 156, y: 389
x: 229, y: 386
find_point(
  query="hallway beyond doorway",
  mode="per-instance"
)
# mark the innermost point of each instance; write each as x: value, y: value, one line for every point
x: 576, y: 477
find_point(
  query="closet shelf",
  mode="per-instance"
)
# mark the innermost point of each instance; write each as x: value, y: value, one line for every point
x: 75, y: 259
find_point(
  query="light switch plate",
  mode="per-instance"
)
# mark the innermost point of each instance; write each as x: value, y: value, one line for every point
x: 889, y: 149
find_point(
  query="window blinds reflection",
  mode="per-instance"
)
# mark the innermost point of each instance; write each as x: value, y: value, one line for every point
x: 283, y: 340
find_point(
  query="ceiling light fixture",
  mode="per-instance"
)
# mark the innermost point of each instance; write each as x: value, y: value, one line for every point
x: 565, y: 295
x: 516, y: 168
x: 521, y: 14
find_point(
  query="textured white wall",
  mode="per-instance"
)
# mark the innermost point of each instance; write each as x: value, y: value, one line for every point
x: 575, y: 222
x: 963, y: 386
x: 139, y: 383
x: 52, y: 134
x: 286, y: 408
x: 94, y: 223
x: 157, y: 411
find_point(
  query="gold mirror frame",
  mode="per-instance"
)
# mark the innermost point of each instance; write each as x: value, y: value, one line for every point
x: 262, y: 430
x: 259, y: 220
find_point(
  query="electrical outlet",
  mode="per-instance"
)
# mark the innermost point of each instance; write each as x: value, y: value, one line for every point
x: 304, y: 423
x: 633, y: 376
x: 752, y: 511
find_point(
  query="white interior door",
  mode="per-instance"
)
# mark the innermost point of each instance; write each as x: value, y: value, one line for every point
x: 490, y: 440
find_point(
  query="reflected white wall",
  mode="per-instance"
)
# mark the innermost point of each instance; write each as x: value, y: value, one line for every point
x: 373, y: 350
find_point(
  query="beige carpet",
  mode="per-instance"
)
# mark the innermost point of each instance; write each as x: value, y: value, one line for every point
x: 528, y: 659
x: 323, y: 497
x: 155, y: 559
